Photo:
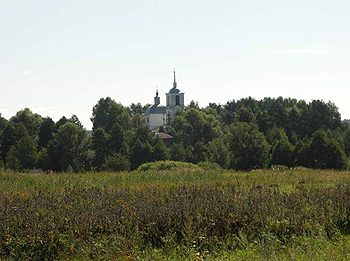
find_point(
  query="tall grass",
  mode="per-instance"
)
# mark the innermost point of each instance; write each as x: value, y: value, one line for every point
x: 201, y: 213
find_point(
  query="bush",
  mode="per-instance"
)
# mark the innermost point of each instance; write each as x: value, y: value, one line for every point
x: 167, y: 165
x: 206, y: 165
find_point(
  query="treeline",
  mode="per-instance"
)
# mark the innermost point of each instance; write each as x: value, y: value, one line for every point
x: 244, y: 134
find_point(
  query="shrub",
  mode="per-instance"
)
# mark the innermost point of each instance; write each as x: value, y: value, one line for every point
x: 167, y: 165
x: 206, y: 165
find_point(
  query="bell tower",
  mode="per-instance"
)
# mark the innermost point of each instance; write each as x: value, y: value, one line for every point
x: 175, y: 101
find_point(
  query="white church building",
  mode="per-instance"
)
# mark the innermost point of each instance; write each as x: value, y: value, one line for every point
x: 158, y: 115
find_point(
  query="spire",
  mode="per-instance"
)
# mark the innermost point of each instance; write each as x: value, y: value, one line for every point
x: 157, y: 92
x: 174, y: 84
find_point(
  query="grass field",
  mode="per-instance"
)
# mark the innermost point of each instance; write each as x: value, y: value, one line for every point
x: 186, y: 214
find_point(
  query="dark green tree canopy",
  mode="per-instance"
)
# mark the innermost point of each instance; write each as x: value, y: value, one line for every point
x: 241, y: 134
x: 248, y: 147
x: 31, y: 121
x: 107, y: 112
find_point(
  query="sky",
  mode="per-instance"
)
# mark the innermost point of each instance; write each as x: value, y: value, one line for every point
x: 58, y: 58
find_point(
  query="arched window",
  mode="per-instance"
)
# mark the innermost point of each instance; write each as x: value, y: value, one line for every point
x: 177, y: 100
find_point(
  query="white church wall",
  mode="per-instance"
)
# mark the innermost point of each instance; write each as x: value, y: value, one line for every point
x: 156, y: 120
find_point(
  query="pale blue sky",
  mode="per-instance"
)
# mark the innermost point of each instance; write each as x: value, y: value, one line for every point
x: 60, y: 57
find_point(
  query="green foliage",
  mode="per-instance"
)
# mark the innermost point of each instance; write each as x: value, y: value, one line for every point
x: 322, y: 152
x: 43, y: 161
x: 31, y: 121
x: 206, y: 165
x: 245, y: 114
x: 218, y: 153
x: 116, y: 162
x: 100, y: 145
x: 276, y: 134
x: 160, y: 151
x: 193, y: 126
x: 248, y: 147
x: 9, y: 139
x: 198, y: 153
x: 140, y: 153
x: 177, y: 152
x: 167, y: 165
x: 282, y: 153
x: 347, y: 142
x: 23, y: 155
x: 117, y: 140
x: 135, y: 109
x: 47, y: 129
x: 107, y: 112
x: 222, y: 134
x: 67, y: 146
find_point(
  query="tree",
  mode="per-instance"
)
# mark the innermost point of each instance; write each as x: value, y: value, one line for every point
x: 45, y: 133
x: 31, y: 121
x: 193, y: 105
x: 60, y: 123
x: 177, y: 152
x: 276, y: 134
x: 100, y: 145
x: 107, y: 112
x: 248, y: 147
x: 43, y: 160
x: 245, y: 114
x: 67, y: 146
x: 3, y: 125
x: 193, y: 126
x: 324, y: 116
x: 347, y: 142
x: 23, y: 155
x: 74, y: 119
x: 199, y: 153
x: 160, y: 151
x: 321, y: 152
x: 282, y: 153
x: 116, y: 162
x: 137, y: 121
x: 140, y: 153
x: 219, y: 153
x: 117, y: 140
x: 9, y: 139
x: 136, y: 109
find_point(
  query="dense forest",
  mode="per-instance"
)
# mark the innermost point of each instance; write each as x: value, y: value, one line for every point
x: 242, y: 135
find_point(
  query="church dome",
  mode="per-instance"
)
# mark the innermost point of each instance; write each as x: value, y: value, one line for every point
x: 156, y: 109
x: 174, y: 90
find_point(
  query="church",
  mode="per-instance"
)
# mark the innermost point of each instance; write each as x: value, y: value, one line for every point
x: 160, y: 116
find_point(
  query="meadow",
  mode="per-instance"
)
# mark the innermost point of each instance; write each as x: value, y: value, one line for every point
x: 179, y: 214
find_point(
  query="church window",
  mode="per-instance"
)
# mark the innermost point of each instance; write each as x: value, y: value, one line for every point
x: 177, y: 100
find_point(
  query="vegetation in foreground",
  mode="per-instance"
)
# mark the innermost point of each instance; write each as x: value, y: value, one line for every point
x: 178, y: 214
